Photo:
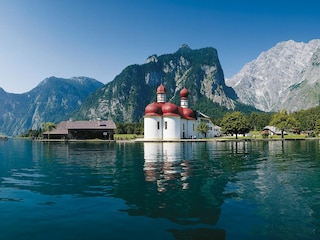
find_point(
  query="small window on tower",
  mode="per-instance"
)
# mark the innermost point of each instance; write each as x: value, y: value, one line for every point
x: 158, y: 125
x: 165, y: 125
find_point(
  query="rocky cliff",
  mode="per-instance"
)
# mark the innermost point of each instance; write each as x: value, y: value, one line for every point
x: 284, y: 77
x: 124, y: 99
x: 53, y: 100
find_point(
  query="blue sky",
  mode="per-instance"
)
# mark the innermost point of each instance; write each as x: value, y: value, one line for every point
x: 99, y: 38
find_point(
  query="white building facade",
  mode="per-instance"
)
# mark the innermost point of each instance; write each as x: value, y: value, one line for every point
x: 169, y: 122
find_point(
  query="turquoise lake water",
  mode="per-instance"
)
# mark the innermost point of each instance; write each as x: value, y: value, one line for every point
x: 207, y: 190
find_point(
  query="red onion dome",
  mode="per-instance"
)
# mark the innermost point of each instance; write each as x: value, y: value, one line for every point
x: 184, y: 93
x: 153, y: 109
x: 188, y: 113
x: 161, y: 89
x: 170, y: 109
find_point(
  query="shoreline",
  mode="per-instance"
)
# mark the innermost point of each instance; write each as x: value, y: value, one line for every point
x: 178, y: 140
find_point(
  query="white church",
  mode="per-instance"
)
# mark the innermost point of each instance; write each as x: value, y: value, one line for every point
x: 165, y: 121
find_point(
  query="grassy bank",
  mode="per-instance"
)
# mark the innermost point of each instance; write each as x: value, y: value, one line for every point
x: 126, y: 136
x: 251, y: 136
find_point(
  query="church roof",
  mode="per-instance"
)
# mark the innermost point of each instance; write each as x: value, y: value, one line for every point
x: 168, y: 108
x: 161, y: 89
x: 184, y: 93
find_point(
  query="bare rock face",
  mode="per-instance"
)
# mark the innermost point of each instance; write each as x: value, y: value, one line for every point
x: 284, y: 77
x: 124, y: 99
x: 53, y: 100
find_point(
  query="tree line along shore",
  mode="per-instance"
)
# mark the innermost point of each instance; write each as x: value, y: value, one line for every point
x: 298, y: 125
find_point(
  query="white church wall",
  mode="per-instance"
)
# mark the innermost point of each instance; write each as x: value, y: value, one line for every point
x: 183, y: 128
x: 153, y: 128
x: 171, y: 127
x: 192, y: 129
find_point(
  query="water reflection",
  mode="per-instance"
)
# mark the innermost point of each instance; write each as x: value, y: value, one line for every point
x: 164, y: 162
x: 181, y: 182
x: 202, y: 190
x: 188, y: 179
x: 59, y: 168
x: 189, y: 187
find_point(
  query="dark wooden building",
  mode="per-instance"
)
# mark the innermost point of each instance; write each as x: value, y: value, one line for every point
x: 96, y: 129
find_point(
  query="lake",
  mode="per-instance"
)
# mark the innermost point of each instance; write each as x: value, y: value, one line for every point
x: 188, y: 190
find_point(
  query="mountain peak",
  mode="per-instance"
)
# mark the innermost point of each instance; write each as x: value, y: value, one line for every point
x: 2, y: 90
x: 184, y: 49
x: 198, y: 70
x: 152, y: 58
x: 53, y: 100
x: 185, y: 46
x: 268, y: 81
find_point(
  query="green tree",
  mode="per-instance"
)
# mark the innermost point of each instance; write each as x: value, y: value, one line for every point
x: 203, y: 128
x: 138, y: 128
x: 284, y: 121
x: 307, y: 118
x: 48, y: 127
x: 258, y: 121
x: 317, y: 127
x: 235, y: 123
x: 129, y: 128
x: 120, y: 128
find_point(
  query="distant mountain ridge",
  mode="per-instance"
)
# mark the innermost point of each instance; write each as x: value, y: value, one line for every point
x: 53, y: 100
x: 125, y: 98
x: 284, y: 77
